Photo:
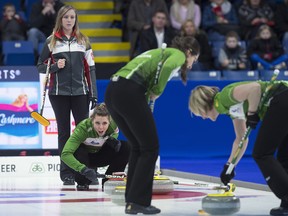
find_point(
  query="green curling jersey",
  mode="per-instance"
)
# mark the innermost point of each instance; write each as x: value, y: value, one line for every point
x: 143, y: 68
x: 84, y: 134
x: 224, y: 102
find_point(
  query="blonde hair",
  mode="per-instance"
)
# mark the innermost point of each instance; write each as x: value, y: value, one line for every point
x: 81, y: 38
x: 201, y: 99
x: 262, y: 28
x: 18, y: 100
x: 183, y: 26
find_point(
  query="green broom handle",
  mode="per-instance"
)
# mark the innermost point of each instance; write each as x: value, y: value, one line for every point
x: 249, y: 129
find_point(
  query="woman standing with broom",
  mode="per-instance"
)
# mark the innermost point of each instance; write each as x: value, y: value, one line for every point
x: 72, y: 83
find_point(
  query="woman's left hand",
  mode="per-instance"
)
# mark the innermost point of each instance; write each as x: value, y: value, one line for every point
x: 153, y: 97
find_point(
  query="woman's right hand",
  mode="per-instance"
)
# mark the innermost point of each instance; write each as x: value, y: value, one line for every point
x: 61, y: 63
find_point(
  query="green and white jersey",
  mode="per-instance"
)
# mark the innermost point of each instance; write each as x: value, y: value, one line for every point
x: 84, y: 134
x: 142, y: 69
x: 224, y: 102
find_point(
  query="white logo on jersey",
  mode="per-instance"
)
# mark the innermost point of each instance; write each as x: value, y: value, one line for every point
x: 97, y: 142
x: 237, y: 111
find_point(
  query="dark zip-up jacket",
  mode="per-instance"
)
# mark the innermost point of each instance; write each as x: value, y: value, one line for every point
x: 78, y: 76
x: 45, y: 23
x: 261, y: 47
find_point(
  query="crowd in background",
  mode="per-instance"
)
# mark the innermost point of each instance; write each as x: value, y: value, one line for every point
x: 34, y: 24
x: 234, y: 35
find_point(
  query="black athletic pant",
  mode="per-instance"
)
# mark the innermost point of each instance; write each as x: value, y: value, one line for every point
x: 62, y: 106
x: 117, y: 161
x: 128, y: 106
x: 271, y: 146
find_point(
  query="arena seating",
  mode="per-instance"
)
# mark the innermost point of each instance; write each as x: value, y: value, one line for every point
x: 240, y: 75
x: 18, y: 53
x: 204, y: 75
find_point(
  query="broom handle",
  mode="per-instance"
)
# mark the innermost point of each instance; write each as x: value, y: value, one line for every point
x: 248, y: 130
x: 45, y: 85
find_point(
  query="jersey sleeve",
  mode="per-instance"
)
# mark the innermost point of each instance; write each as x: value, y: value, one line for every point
x: 73, y: 143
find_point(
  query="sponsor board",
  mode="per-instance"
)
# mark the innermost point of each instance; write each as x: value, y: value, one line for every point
x: 21, y: 92
x: 29, y: 166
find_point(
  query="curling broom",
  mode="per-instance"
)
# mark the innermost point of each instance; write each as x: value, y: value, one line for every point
x: 38, y: 116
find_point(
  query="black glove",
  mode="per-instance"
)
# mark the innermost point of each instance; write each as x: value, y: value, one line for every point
x: 113, y: 143
x: 252, y: 120
x: 226, y: 178
x: 93, y: 101
x: 89, y: 173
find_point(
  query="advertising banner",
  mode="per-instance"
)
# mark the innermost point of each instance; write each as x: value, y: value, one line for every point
x: 21, y: 92
x: 19, y: 95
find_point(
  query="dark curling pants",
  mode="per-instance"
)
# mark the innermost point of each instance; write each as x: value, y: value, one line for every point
x: 117, y: 161
x: 271, y: 147
x: 128, y: 107
x: 62, y: 106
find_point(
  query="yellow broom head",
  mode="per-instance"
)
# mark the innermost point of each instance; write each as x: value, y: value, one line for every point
x: 39, y: 118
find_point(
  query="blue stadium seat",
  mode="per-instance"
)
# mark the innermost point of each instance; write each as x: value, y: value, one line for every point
x: 240, y: 75
x: 267, y: 74
x: 18, y: 53
x: 204, y: 75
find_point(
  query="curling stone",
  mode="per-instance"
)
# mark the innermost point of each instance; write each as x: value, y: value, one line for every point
x: 112, y: 183
x: 225, y: 203
x: 118, y: 195
x: 162, y: 185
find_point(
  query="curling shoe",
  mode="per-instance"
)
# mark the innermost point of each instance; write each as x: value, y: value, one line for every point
x: 95, y: 182
x: 68, y: 181
x: 84, y: 187
x: 282, y: 210
x: 279, y: 211
x: 133, y: 208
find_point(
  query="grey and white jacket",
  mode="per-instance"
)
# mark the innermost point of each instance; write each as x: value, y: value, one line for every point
x: 78, y: 76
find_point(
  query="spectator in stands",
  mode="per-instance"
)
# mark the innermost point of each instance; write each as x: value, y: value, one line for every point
x: 281, y: 23
x: 181, y: 10
x: 153, y: 37
x: 205, y: 60
x: 123, y: 9
x: 140, y: 18
x: 219, y: 17
x: 12, y: 26
x: 42, y: 20
x: 266, y: 50
x: 72, y: 77
x: 94, y: 144
x: 232, y: 55
x: 252, y: 14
